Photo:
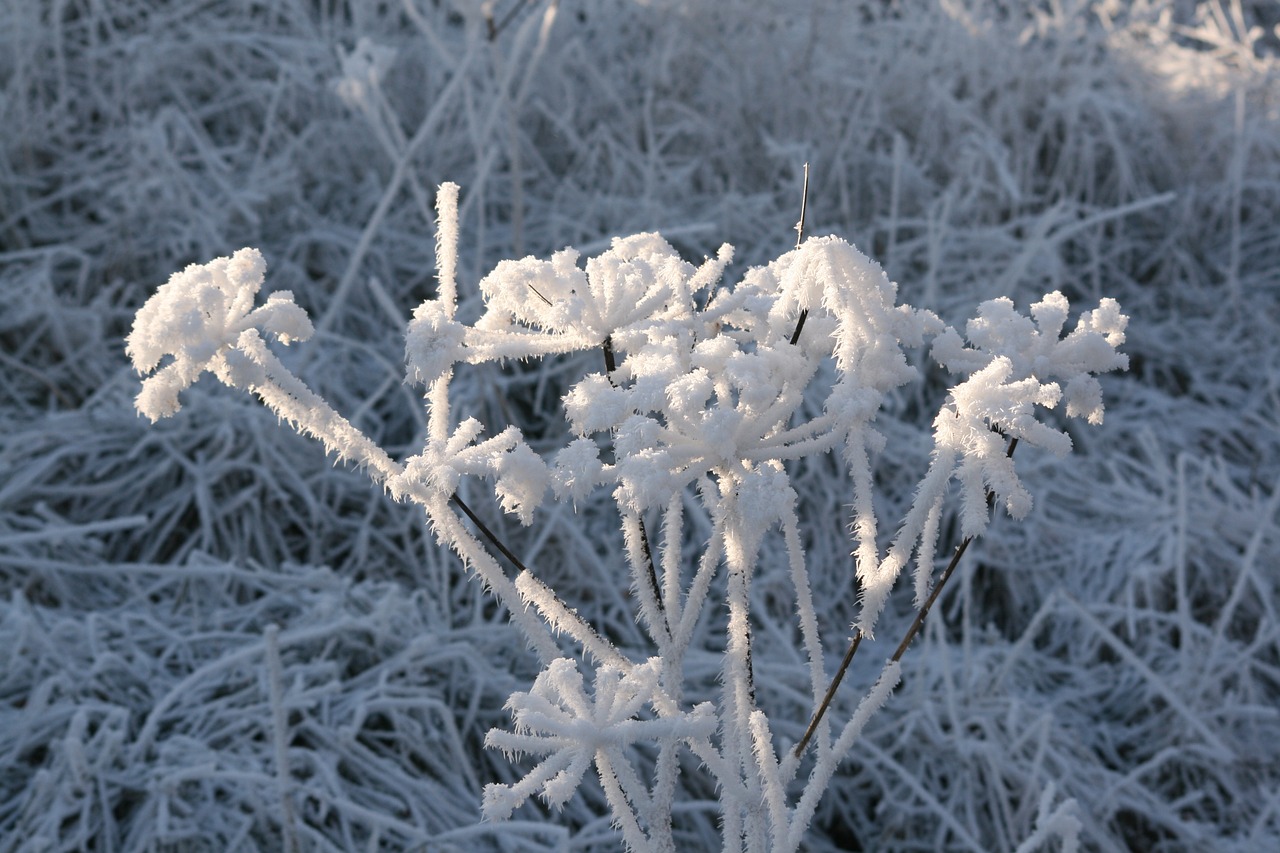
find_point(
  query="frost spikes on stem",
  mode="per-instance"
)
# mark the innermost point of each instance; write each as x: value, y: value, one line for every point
x: 447, y: 246
x: 646, y: 551
x: 804, y: 206
x: 910, y: 635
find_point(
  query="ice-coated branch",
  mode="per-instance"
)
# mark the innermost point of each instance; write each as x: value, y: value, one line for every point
x: 196, y: 320
x: 827, y: 762
x: 571, y: 728
x: 708, y: 389
x: 203, y: 319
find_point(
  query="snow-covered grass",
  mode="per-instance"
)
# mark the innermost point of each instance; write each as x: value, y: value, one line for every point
x: 1119, y: 644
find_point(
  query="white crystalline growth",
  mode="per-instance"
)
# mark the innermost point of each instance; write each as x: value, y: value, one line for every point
x: 707, y: 395
x: 199, y: 317
x: 569, y: 728
x: 1035, y: 347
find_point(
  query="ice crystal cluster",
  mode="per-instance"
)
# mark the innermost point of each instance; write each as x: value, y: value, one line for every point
x: 708, y: 391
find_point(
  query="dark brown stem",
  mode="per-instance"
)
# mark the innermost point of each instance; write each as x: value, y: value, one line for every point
x: 795, y: 336
x: 611, y: 365
x: 912, y: 631
x: 538, y: 294
x: 918, y: 622
x: 804, y: 207
x: 831, y: 692
x: 495, y: 27
x: 653, y: 574
x: 488, y: 534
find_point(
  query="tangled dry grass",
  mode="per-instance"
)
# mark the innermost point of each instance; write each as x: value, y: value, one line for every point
x: 1121, y: 645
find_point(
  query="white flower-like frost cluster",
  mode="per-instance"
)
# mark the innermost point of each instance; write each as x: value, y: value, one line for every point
x: 204, y: 317
x: 570, y: 728
x: 707, y: 392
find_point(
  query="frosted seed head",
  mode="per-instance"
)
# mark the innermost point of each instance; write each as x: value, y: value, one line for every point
x: 577, y: 470
x: 764, y: 496
x: 547, y: 295
x: 500, y: 801
x: 689, y: 394
x: 244, y: 271
x: 712, y: 354
x: 159, y: 395
x: 594, y: 404
x: 1050, y: 314
x: 283, y: 319
x: 1084, y: 399
x: 637, y: 434
x: 644, y: 480
x: 434, y: 342
x: 196, y: 317
x: 522, y: 481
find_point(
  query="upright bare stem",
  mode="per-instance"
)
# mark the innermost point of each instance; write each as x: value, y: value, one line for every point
x: 280, y: 738
x: 610, y: 365
x: 804, y: 206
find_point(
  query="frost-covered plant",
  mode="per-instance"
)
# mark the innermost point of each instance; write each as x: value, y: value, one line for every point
x: 708, y: 392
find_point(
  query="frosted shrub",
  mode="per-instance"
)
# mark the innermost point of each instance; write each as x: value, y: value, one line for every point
x: 708, y: 391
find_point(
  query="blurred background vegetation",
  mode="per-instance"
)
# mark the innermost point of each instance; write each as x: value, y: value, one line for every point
x: 1122, y: 644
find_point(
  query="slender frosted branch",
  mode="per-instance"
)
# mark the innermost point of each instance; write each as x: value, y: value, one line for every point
x: 280, y: 737
x: 672, y: 547
x: 707, y: 565
x: 561, y: 617
x: 453, y: 533
x: 447, y: 246
x: 805, y: 611
x: 775, y: 795
x: 640, y: 558
x: 290, y: 398
x: 827, y: 764
x: 624, y: 813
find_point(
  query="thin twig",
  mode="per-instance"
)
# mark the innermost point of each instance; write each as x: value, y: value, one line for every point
x: 488, y: 534
x: 611, y: 365
x: 918, y: 622
x: 804, y: 206
x: 495, y: 27
x: 831, y: 692
x: 280, y: 738
x: 912, y: 631
x: 795, y: 336
x: 538, y: 294
x: 653, y: 573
